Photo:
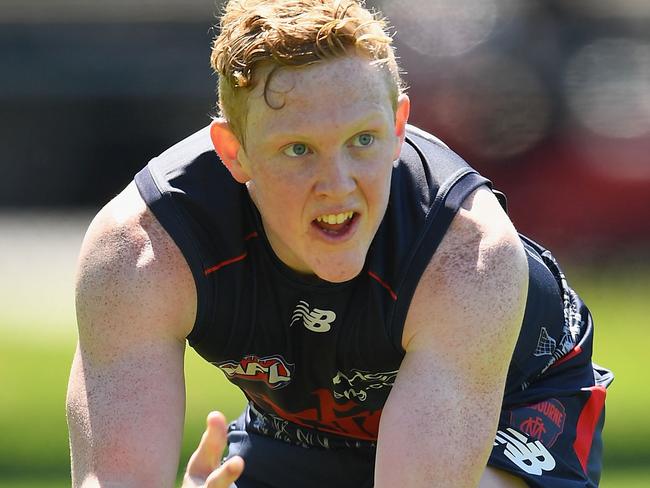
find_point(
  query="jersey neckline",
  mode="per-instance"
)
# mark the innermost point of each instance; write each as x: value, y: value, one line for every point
x: 303, y: 280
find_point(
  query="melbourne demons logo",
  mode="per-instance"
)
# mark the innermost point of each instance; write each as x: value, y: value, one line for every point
x: 543, y: 421
x: 272, y: 370
x: 315, y: 320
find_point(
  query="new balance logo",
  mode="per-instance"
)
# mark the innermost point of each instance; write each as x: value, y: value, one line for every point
x: 530, y: 456
x: 315, y: 320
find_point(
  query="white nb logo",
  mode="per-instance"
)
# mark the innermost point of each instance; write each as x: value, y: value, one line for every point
x: 532, y: 457
x: 315, y: 320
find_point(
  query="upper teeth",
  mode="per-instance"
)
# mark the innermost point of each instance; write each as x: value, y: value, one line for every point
x: 335, y: 218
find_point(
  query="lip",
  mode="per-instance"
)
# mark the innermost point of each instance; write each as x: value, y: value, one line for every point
x: 335, y: 238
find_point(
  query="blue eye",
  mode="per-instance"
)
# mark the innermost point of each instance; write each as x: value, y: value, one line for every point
x: 363, y: 140
x: 296, y: 150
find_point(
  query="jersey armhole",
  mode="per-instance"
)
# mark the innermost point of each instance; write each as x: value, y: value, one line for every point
x: 449, y: 199
x: 162, y: 205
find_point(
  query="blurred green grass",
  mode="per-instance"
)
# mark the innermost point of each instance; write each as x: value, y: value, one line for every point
x: 34, y: 364
x: 618, y: 296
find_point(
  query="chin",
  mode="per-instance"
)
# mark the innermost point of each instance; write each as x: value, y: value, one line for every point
x: 339, y: 272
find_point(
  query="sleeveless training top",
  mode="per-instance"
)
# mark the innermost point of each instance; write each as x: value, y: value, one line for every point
x: 317, y: 360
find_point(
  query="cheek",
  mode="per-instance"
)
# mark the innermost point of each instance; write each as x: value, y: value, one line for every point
x: 281, y: 199
x: 378, y: 182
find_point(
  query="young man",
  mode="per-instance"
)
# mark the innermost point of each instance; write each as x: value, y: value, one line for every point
x: 354, y: 277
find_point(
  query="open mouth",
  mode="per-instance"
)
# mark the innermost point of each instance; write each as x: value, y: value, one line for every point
x: 335, y: 224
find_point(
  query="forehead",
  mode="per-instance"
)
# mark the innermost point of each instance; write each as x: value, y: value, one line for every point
x: 327, y: 93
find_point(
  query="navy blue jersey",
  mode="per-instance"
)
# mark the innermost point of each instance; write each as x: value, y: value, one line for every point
x: 321, y: 355
x: 317, y: 360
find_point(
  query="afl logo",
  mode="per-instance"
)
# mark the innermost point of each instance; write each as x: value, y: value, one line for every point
x: 543, y: 421
x: 315, y: 319
x: 272, y: 370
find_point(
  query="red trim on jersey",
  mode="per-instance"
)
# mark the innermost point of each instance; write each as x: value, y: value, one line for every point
x: 573, y: 353
x: 241, y: 257
x: 217, y: 267
x: 383, y: 283
x: 587, y: 423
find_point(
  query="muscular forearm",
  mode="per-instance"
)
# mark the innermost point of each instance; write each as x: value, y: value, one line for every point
x: 418, y: 449
x: 123, y: 433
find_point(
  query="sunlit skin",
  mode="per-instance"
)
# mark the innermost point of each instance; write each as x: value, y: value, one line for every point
x: 328, y: 150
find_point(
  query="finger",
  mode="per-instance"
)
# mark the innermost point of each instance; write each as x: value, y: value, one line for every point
x: 208, y: 455
x: 226, y: 474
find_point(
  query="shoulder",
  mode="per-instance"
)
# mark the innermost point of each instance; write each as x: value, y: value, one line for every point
x: 477, y: 279
x: 459, y: 335
x: 129, y: 269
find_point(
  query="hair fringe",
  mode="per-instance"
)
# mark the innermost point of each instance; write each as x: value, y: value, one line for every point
x: 292, y: 33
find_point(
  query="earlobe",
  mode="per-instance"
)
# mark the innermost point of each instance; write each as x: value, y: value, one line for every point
x: 401, y: 118
x: 227, y: 147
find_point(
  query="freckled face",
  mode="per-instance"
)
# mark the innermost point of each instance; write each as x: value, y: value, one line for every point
x: 319, y: 168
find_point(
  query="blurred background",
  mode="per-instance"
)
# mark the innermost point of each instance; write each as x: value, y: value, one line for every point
x: 549, y: 99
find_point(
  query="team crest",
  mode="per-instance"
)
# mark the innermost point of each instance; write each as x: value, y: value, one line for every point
x: 543, y: 421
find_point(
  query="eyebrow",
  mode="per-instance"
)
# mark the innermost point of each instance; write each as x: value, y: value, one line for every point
x: 307, y: 132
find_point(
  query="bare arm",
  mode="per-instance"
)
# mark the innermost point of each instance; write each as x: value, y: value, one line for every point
x: 126, y: 397
x: 438, y: 425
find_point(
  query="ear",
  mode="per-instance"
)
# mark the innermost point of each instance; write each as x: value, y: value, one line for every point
x: 401, y: 117
x: 228, y: 147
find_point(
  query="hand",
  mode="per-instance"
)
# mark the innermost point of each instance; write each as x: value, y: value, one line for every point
x: 203, y: 470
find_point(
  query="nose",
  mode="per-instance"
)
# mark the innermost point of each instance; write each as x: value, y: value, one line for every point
x: 335, y: 178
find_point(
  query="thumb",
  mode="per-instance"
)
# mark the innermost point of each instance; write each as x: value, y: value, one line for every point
x: 226, y: 475
x: 207, y: 456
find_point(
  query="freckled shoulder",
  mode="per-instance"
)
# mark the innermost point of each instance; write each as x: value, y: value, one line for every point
x: 135, y: 303
x: 478, y: 275
x: 459, y: 335
x: 129, y: 261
